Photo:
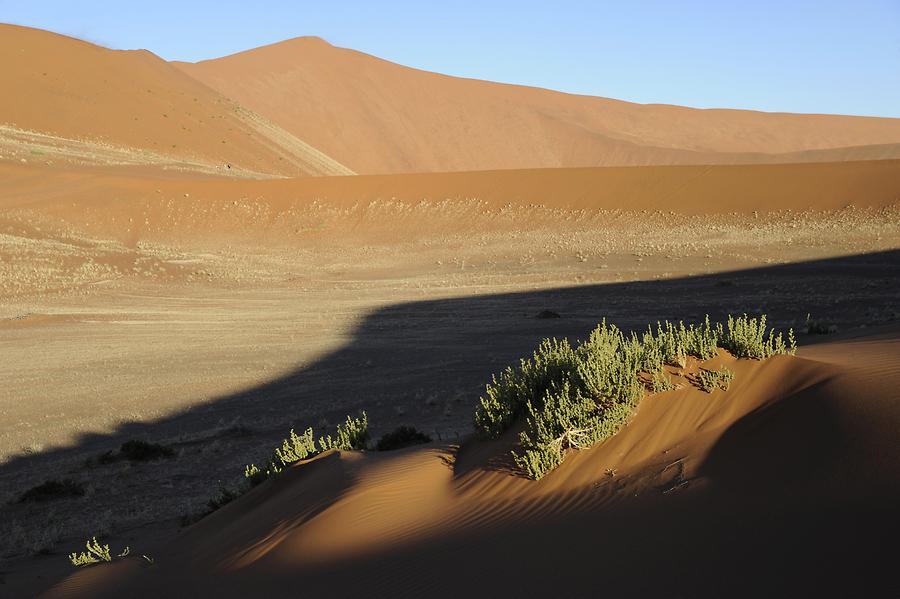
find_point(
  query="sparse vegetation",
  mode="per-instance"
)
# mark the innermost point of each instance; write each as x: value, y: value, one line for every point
x: 53, y: 489
x: 573, y: 397
x: 710, y: 380
x: 352, y: 434
x: 818, y: 327
x: 402, y: 436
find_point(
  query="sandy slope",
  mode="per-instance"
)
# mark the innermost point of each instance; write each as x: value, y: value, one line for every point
x: 74, y: 90
x: 380, y: 117
x: 784, y: 484
x: 150, y: 205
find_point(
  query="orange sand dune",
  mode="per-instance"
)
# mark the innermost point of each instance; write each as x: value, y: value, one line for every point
x: 75, y: 90
x: 783, y: 485
x: 380, y: 117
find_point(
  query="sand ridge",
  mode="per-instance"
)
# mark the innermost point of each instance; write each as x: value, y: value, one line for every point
x: 379, y: 117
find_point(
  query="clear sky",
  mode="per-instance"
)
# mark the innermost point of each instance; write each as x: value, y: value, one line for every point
x: 796, y: 56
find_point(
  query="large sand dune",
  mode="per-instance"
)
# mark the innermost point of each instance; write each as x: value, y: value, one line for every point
x: 132, y: 101
x: 380, y: 117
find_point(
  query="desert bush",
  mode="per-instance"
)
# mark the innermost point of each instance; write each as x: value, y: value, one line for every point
x: 224, y: 497
x: 660, y: 381
x: 818, y: 327
x: 746, y: 337
x: 506, y: 396
x: 95, y: 553
x: 296, y: 447
x: 565, y: 419
x: 709, y: 380
x: 53, y: 489
x: 402, y: 436
x: 143, y: 451
x: 353, y: 434
x: 573, y: 397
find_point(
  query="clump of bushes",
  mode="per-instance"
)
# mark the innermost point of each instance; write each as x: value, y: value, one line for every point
x: 402, y: 436
x: 710, y: 380
x: 575, y: 396
x: 53, y: 489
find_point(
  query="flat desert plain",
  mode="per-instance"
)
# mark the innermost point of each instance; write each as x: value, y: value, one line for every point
x: 155, y: 287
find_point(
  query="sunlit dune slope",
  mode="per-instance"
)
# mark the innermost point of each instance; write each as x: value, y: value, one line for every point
x: 379, y: 117
x: 785, y: 481
x: 134, y: 100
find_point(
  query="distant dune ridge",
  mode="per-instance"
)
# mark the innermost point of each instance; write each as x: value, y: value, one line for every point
x: 305, y: 107
x: 379, y: 117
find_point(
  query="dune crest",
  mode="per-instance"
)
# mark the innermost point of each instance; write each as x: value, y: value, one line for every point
x: 379, y: 117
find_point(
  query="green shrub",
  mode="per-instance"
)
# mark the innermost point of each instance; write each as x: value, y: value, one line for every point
x: 53, y: 489
x: 709, y: 380
x: 296, y: 447
x: 565, y: 419
x: 746, y: 338
x: 573, y: 397
x: 95, y: 552
x: 660, y: 381
x: 402, y: 436
x: 142, y: 451
x: 505, y: 397
x: 353, y: 434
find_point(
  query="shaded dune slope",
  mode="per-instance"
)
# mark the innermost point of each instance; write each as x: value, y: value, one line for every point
x: 785, y: 482
x: 379, y: 117
x: 75, y: 90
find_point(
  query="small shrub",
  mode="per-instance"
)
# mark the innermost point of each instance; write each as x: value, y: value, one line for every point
x: 53, y: 489
x: 660, y: 381
x: 746, y: 338
x: 709, y: 380
x: 818, y: 327
x: 254, y: 475
x: 142, y: 451
x: 224, y: 497
x: 353, y: 434
x: 95, y: 553
x: 296, y: 447
x: 402, y: 436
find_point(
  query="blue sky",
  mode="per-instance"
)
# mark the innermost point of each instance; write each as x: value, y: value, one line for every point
x: 801, y: 56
